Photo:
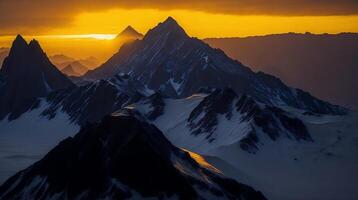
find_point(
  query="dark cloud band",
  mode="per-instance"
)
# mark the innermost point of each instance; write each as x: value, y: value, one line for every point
x: 22, y: 15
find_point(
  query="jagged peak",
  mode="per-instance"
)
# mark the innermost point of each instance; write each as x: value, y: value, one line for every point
x: 34, y: 44
x: 18, y: 43
x: 171, y: 20
x: 170, y: 25
x: 19, y: 38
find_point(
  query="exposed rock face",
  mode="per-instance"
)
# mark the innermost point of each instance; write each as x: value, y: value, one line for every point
x: 120, y: 158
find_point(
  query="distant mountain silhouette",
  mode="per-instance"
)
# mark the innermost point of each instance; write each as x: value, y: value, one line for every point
x: 61, y: 61
x: 325, y: 64
x: 129, y: 32
x: 75, y: 69
x: 27, y: 74
x: 167, y: 59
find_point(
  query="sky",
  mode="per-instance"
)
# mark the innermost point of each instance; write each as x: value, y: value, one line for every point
x: 60, y: 24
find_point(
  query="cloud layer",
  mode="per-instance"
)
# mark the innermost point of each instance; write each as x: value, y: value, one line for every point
x: 39, y: 15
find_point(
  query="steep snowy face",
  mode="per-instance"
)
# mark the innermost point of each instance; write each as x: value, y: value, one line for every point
x: 262, y: 145
x: 91, y: 102
x: 26, y: 75
x: 170, y: 61
x: 205, y: 122
x: 119, y: 158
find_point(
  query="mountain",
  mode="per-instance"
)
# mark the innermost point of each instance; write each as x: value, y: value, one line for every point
x: 298, y: 59
x: 89, y: 103
x: 219, y: 118
x: 4, y: 52
x: 61, y: 61
x: 120, y: 158
x: 60, y: 58
x: 27, y: 74
x: 274, y: 149
x: 70, y: 71
x: 167, y: 59
x: 60, y: 114
x: 74, y: 69
x: 129, y: 32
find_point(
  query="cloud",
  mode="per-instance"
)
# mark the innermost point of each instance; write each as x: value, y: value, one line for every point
x: 31, y: 17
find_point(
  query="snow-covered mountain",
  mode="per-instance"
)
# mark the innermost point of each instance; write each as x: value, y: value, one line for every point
x: 26, y: 75
x: 285, y: 152
x: 119, y: 158
x: 60, y: 115
x: 167, y: 59
x: 89, y: 103
x: 207, y: 121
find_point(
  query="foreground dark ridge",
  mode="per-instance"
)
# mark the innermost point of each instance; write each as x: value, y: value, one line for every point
x: 119, y: 158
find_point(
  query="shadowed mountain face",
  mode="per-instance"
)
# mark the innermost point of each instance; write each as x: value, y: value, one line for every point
x: 27, y: 74
x: 325, y: 65
x: 3, y: 54
x: 119, y: 158
x: 167, y: 59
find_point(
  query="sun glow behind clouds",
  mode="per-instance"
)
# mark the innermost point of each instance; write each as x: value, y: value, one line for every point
x: 91, y: 33
x: 82, y: 36
x: 201, y: 24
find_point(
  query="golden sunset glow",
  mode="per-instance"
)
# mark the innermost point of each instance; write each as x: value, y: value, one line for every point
x: 90, y: 33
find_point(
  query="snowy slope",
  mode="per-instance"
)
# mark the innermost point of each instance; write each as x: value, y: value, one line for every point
x: 204, y: 122
x: 319, y: 164
x: 323, y: 169
x: 122, y: 158
x: 28, y: 138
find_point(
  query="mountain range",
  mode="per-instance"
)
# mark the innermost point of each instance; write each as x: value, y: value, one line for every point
x: 168, y: 116
x: 61, y: 61
x: 300, y: 59
x: 75, y: 69
x: 167, y: 59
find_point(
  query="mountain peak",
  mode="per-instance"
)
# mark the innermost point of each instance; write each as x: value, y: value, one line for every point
x: 28, y: 75
x: 167, y: 28
x: 35, y: 45
x: 19, y: 38
x: 19, y: 44
x: 129, y: 31
x: 170, y: 20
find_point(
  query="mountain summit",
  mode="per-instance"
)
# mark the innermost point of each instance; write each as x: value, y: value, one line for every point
x: 26, y: 75
x: 130, y: 32
x: 167, y: 59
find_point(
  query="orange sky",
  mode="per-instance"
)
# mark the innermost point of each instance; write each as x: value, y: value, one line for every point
x: 81, y: 32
